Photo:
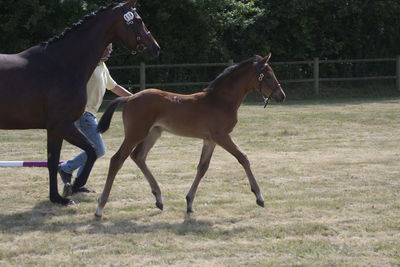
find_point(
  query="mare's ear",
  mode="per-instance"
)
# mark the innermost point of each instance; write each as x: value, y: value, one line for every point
x: 131, y: 3
x: 264, y: 60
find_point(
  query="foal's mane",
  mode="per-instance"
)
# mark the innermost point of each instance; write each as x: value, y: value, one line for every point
x: 77, y: 25
x: 223, y: 76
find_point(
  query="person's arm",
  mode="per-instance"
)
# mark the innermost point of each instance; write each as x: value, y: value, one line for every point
x: 120, y: 91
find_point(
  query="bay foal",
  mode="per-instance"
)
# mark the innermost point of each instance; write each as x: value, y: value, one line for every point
x: 209, y: 115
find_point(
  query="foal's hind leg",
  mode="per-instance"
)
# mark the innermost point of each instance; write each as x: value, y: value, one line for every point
x: 226, y: 142
x: 206, y: 153
x: 139, y: 156
x: 116, y: 163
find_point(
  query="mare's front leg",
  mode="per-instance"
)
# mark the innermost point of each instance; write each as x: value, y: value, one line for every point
x: 139, y: 156
x: 54, y: 143
x: 226, y: 142
x: 202, y: 167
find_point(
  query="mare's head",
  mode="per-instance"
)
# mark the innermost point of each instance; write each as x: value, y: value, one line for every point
x: 266, y: 82
x: 133, y: 33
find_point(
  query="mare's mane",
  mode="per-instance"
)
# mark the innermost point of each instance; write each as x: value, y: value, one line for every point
x: 223, y: 76
x: 76, y: 25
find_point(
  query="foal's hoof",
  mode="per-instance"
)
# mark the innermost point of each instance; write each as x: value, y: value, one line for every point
x: 99, y: 213
x: 160, y: 205
x: 260, y: 202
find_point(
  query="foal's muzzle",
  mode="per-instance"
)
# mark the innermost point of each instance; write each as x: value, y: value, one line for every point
x: 279, y: 96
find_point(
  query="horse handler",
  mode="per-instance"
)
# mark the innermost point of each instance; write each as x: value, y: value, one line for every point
x: 87, y: 123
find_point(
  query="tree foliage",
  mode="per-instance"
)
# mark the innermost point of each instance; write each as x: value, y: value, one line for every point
x: 217, y: 30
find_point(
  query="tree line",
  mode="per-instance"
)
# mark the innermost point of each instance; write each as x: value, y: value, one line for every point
x: 210, y: 30
x: 219, y: 30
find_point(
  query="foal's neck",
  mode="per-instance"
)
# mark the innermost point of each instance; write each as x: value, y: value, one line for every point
x: 233, y: 92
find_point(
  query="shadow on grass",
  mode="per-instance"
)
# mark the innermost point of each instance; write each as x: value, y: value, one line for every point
x: 43, y: 217
x: 33, y: 219
x: 189, y: 226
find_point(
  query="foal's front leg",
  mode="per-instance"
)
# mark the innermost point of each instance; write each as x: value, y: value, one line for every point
x: 116, y: 163
x: 139, y: 156
x: 226, y: 142
x: 206, y: 153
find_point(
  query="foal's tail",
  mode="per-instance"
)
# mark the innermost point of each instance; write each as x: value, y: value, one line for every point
x: 105, y: 120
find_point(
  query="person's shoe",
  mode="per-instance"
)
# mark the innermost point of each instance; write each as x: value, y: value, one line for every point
x: 65, y: 177
x: 67, y: 190
x: 84, y: 189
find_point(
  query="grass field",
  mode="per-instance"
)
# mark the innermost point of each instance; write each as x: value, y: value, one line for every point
x: 329, y: 172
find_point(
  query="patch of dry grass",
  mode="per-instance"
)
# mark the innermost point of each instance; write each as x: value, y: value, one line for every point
x: 330, y: 175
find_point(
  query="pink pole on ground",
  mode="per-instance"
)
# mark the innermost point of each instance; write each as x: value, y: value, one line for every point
x: 23, y: 163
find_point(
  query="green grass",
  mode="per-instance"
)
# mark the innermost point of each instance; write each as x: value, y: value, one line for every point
x: 329, y: 172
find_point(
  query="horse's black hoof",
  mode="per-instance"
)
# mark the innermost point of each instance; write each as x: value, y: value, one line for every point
x: 67, y: 202
x: 70, y: 202
x: 63, y: 201
x: 260, y: 203
x: 190, y: 210
x: 160, y: 205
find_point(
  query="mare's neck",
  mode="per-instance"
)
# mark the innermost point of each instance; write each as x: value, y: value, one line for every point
x: 80, y: 50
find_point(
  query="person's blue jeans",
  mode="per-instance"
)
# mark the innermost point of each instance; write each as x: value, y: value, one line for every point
x: 87, y: 123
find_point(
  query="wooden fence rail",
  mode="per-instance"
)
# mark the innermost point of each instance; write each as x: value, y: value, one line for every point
x: 316, y: 79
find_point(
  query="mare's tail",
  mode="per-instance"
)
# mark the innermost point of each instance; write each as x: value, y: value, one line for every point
x: 105, y: 120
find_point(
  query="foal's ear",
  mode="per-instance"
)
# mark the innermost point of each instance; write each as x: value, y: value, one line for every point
x: 264, y: 59
x: 131, y: 3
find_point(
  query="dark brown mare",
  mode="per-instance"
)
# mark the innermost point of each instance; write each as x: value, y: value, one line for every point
x: 44, y: 87
x: 209, y: 115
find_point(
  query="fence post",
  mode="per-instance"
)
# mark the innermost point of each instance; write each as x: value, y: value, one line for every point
x: 316, y: 75
x: 230, y: 62
x: 398, y: 72
x: 142, y: 76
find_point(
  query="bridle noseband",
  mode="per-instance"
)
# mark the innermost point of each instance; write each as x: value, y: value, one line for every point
x: 130, y: 18
x: 261, y: 75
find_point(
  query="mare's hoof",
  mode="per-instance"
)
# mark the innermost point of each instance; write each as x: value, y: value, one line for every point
x: 260, y: 203
x: 70, y: 202
x: 63, y: 201
x: 160, y: 205
x: 67, y: 191
x: 98, y: 216
x: 190, y: 210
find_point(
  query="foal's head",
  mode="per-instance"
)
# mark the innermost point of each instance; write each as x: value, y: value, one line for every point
x: 133, y: 33
x: 267, y: 82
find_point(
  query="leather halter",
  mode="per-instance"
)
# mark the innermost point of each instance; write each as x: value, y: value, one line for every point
x: 261, y: 75
x: 132, y: 20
